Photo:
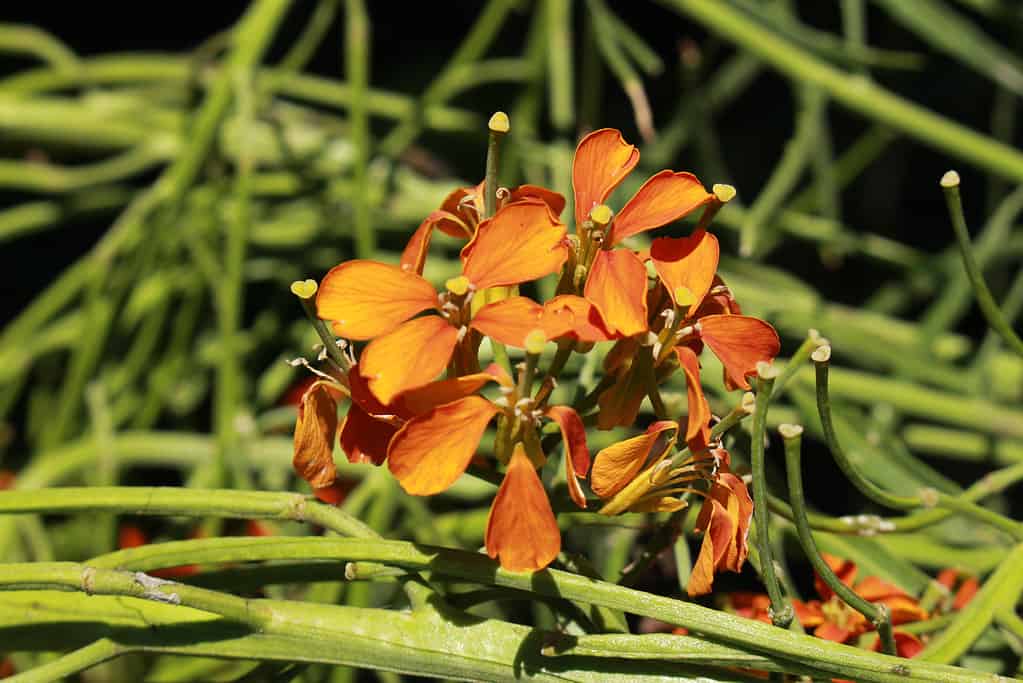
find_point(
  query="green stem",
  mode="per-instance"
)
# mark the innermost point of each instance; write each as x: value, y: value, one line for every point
x: 357, y: 60
x: 73, y: 662
x: 879, y: 615
x: 560, y: 81
x: 796, y: 361
x: 950, y: 185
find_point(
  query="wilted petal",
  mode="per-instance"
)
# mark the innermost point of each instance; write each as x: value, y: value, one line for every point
x: 665, y: 197
x: 574, y: 317
x: 522, y: 242
x: 615, y: 466
x: 602, y: 160
x: 577, y: 453
x: 717, y: 534
x: 616, y: 285
x: 409, y: 357
x: 414, y: 256
x: 554, y: 200
x: 698, y: 421
x: 733, y: 494
x: 688, y: 262
x: 366, y: 298
x: 363, y: 437
x: 431, y: 451
x: 315, y: 429
x: 522, y: 532
x: 509, y: 321
x: 740, y: 342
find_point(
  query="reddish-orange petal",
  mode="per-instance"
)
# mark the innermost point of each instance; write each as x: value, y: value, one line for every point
x: 620, y: 404
x: 509, y: 320
x: 431, y: 451
x: 904, y: 609
x: 809, y: 613
x: 716, y: 539
x: 408, y: 357
x: 363, y: 437
x: 616, y: 285
x: 688, y: 262
x: 462, y: 214
x: 967, y: 590
x: 602, y: 160
x: 426, y: 398
x: 522, y: 242
x: 615, y: 466
x: 831, y: 631
x: 740, y: 342
x: 577, y: 453
x: 366, y: 298
x: 740, y: 507
x: 574, y: 317
x: 698, y: 421
x: 873, y: 588
x: 906, y: 644
x: 414, y: 256
x: 665, y: 197
x: 315, y: 429
x: 554, y: 200
x: 522, y: 532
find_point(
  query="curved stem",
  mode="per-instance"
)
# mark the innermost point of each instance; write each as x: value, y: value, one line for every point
x: 73, y: 662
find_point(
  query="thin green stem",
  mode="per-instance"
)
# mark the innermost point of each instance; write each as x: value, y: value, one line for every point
x: 73, y: 662
x: 560, y: 81
x: 357, y: 60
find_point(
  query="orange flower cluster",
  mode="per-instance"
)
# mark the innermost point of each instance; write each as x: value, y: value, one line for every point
x: 418, y: 399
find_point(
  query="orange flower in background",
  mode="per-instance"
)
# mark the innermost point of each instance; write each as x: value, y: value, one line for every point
x: 6, y: 479
x: 962, y: 585
x: 375, y: 301
x: 617, y: 282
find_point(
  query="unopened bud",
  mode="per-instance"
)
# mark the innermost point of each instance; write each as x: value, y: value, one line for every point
x: 304, y: 289
x: 499, y: 123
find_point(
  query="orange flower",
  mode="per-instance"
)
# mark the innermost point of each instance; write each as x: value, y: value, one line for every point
x: 724, y: 520
x: 965, y: 586
x: 616, y: 281
x: 371, y: 300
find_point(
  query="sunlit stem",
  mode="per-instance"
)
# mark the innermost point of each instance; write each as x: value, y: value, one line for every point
x: 499, y: 127
x: 802, y: 354
x: 792, y: 435
x: 722, y: 195
x: 781, y: 610
x: 306, y: 293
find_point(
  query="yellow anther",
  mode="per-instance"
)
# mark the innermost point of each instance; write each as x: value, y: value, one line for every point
x: 304, y: 289
x: 724, y: 193
x: 600, y: 215
x: 684, y: 297
x: 535, y: 341
x: 458, y: 285
x: 499, y: 123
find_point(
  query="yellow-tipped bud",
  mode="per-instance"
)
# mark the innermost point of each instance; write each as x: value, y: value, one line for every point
x: 499, y: 123
x: 600, y: 215
x: 950, y: 179
x: 724, y: 193
x: 458, y: 285
x: 535, y: 341
x: 304, y: 289
x: 684, y: 297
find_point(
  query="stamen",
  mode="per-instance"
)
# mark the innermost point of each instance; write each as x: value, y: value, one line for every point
x: 462, y: 331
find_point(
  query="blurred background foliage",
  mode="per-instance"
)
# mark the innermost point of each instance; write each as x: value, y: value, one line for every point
x: 165, y: 176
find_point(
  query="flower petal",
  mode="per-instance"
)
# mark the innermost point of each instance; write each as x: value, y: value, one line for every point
x: 408, y: 357
x: 615, y: 466
x: 617, y: 286
x: 554, y: 200
x: 425, y: 398
x: 509, y: 321
x: 315, y: 429
x: 522, y: 532
x: 413, y: 258
x: 522, y: 242
x: 619, y: 405
x: 577, y: 453
x: 366, y: 298
x: 574, y: 317
x: 665, y: 197
x: 688, y: 262
x: 602, y: 160
x: 363, y: 437
x: 698, y: 421
x: 716, y: 538
x: 432, y: 450
x: 740, y: 342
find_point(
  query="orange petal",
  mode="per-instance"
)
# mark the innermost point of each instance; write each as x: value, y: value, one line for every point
x: 602, y: 160
x: 414, y: 256
x: 574, y: 317
x: 906, y: 644
x: 366, y: 298
x: 431, y: 451
x: 873, y: 589
x: 615, y: 466
x: 577, y: 453
x: 967, y: 590
x: 698, y: 422
x: 509, y: 320
x: 740, y: 342
x: 522, y: 532
x: 409, y: 357
x: 715, y: 543
x: 553, y: 199
x: 688, y: 262
x: 620, y: 404
x: 904, y: 609
x: 617, y: 287
x: 314, y: 437
x: 522, y: 242
x: 731, y: 492
x: 831, y: 631
x: 363, y: 437
x: 665, y: 197
x: 426, y: 398
x: 462, y: 214
x: 809, y: 613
